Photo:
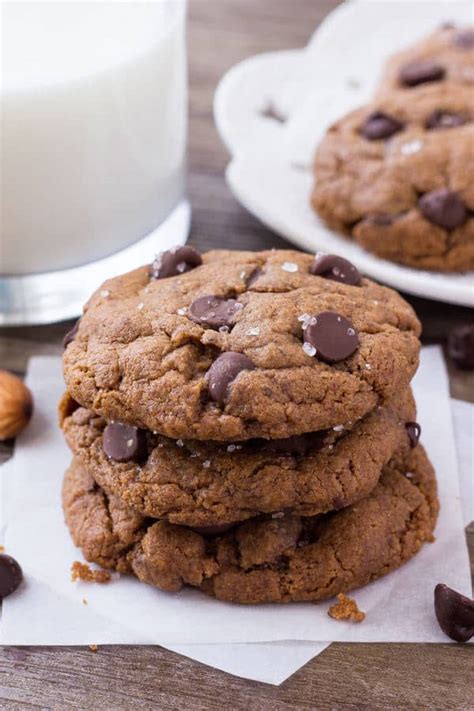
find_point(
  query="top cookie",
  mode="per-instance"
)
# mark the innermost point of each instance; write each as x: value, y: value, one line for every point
x: 445, y: 56
x: 246, y: 344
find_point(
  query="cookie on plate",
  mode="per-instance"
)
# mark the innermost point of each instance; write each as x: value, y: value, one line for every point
x: 236, y: 345
x: 396, y: 176
x: 445, y: 56
x: 265, y: 559
x: 209, y: 484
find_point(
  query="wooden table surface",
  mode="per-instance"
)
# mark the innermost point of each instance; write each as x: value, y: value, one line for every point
x: 357, y: 676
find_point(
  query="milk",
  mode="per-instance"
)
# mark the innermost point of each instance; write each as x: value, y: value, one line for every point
x: 93, y: 128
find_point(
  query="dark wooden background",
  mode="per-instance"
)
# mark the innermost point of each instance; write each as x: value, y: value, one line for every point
x: 358, y: 676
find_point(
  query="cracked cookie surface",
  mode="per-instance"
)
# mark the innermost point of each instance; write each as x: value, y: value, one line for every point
x: 282, y: 559
x: 204, y: 484
x: 137, y: 358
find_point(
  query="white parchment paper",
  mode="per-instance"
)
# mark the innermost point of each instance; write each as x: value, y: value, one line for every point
x: 48, y: 608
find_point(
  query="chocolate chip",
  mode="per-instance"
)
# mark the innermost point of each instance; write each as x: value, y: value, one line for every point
x: 71, y: 335
x: 464, y: 39
x: 443, y: 208
x: 333, y: 337
x: 11, y: 575
x: 421, y: 72
x: 444, y: 119
x: 217, y: 530
x: 413, y: 431
x: 331, y: 266
x: 448, y: 25
x: 461, y: 346
x: 223, y: 372
x: 379, y: 125
x: 124, y: 443
x: 175, y: 261
x: 454, y: 612
x: 214, y: 311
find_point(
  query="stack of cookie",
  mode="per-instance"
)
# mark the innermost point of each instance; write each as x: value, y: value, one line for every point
x: 396, y: 175
x: 242, y: 422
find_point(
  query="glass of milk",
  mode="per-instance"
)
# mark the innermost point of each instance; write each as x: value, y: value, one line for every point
x: 92, y: 140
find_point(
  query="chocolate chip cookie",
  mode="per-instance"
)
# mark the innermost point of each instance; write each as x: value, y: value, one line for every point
x: 396, y: 176
x: 207, y: 484
x: 238, y: 345
x: 445, y: 56
x: 265, y: 559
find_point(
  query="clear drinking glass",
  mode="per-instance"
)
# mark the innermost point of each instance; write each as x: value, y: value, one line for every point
x: 93, y: 140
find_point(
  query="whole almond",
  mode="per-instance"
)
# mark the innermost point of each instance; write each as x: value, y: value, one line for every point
x: 16, y: 405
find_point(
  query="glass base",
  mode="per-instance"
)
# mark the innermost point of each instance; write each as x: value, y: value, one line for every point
x: 57, y: 296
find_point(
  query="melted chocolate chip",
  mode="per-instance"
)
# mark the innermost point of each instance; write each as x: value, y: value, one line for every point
x: 464, y: 39
x: 336, y: 268
x: 444, y: 119
x: 443, y: 208
x: 421, y: 72
x: 214, y: 311
x: 11, y: 575
x: 175, y: 261
x: 413, y: 431
x: 461, y: 346
x: 379, y: 125
x: 333, y: 337
x: 454, y: 612
x: 224, y: 371
x: 71, y: 335
x: 124, y: 443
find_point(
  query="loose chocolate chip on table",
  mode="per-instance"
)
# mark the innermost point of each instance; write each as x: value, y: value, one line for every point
x: 175, y: 261
x: 464, y: 39
x: 11, y: 575
x: 454, y: 612
x: 214, y: 311
x: 331, y: 266
x: 443, y: 208
x: 413, y: 431
x: 124, y: 443
x: 461, y: 346
x: 421, y: 72
x: 70, y: 335
x: 224, y: 371
x: 379, y: 125
x: 444, y: 119
x: 333, y: 337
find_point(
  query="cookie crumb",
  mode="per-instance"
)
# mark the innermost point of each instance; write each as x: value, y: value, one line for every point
x: 84, y: 601
x: 93, y: 647
x: 346, y: 609
x: 81, y: 571
x: 2, y: 549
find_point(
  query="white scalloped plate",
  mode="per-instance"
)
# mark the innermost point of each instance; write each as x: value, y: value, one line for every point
x: 270, y: 173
